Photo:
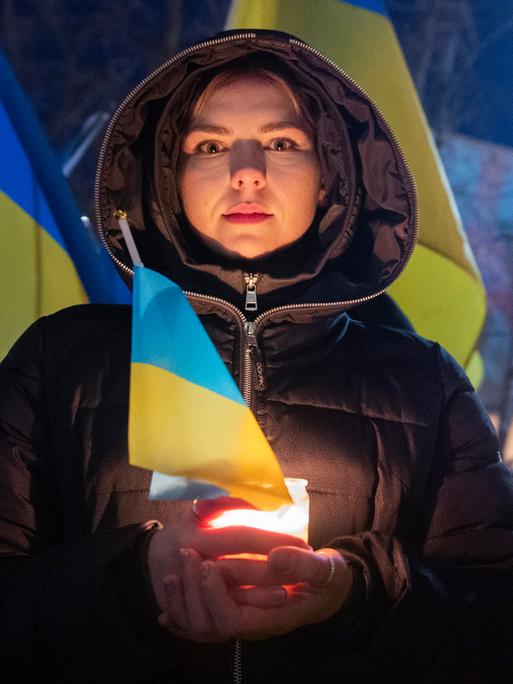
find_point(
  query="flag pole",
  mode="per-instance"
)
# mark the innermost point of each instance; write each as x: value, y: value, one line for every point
x: 129, y: 239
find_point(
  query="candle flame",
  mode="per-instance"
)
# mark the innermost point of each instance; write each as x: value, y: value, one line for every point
x: 286, y: 519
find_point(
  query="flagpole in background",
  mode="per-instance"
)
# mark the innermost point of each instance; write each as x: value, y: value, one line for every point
x: 48, y: 258
x: 441, y: 291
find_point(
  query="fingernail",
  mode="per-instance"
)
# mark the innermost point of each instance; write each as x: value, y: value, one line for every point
x: 162, y: 619
x: 185, y: 555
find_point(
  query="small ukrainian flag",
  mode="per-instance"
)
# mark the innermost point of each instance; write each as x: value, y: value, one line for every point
x: 188, y: 420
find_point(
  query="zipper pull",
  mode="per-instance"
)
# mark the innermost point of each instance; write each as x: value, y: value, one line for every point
x: 251, y: 295
x: 257, y: 360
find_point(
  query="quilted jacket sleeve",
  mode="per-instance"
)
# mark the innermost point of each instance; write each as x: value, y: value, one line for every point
x: 439, y: 606
x: 60, y: 605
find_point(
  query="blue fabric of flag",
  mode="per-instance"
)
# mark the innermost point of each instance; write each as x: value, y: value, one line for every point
x: 13, y: 179
x: 371, y: 5
x: 174, y: 338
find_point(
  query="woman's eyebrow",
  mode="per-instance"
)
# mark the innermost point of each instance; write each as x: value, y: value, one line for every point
x: 279, y: 125
x: 209, y: 128
x: 222, y: 130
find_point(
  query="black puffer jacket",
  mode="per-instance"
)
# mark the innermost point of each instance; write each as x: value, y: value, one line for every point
x: 405, y: 477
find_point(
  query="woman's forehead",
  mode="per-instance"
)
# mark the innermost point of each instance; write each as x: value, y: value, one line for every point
x: 249, y: 96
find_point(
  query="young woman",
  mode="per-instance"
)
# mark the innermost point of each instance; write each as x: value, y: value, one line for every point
x: 264, y: 182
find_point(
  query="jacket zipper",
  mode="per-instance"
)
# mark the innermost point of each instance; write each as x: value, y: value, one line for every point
x: 253, y: 364
x: 247, y: 391
x: 251, y: 280
x: 238, y: 653
x: 254, y: 367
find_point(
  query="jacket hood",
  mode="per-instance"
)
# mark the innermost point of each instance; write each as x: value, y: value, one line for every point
x: 359, y: 243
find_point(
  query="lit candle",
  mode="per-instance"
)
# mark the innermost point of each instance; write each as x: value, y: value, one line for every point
x: 289, y: 518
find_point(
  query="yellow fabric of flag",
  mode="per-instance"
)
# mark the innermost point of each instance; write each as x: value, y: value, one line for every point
x: 37, y: 276
x: 441, y: 289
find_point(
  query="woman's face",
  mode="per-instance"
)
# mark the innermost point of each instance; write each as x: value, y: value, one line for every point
x: 249, y: 176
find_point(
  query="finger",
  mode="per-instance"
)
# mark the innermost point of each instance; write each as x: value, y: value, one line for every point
x: 223, y: 610
x: 234, y: 540
x: 292, y: 565
x: 199, y: 622
x: 260, y: 597
x: 245, y: 571
x: 176, y: 613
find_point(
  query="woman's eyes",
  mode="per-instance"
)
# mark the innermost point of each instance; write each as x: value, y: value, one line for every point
x: 281, y: 144
x: 210, y: 147
x: 213, y: 147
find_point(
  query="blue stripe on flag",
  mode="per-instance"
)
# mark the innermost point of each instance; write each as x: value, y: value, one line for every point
x: 15, y: 170
x: 168, y: 334
x: 372, y: 5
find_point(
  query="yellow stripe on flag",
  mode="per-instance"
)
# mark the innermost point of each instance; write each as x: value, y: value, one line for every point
x: 440, y: 275
x: 37, y: 277
x: 219, y: 441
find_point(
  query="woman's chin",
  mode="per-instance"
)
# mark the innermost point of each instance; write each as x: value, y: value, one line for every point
x: 241, y: 249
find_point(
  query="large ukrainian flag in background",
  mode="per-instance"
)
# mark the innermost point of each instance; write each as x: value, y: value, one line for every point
x: 441, y: 290
x: 48, y: 259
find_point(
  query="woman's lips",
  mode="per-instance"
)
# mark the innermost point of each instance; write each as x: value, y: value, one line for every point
x: 253, y: 217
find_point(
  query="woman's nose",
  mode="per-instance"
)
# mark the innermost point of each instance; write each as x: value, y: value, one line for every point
x: 247, y: 166
x: 248, y: 177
